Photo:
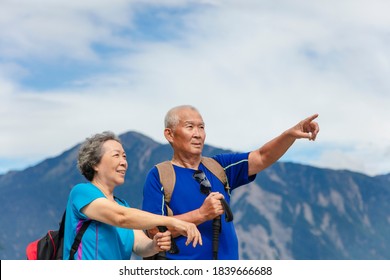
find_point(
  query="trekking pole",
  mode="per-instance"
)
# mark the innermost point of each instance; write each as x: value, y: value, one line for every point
x: 217, y: 227
x: 173, y: 250
x: 216, y: 232
x: 205, y: 188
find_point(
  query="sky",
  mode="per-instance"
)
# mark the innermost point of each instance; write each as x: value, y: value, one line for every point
x: 253, y: 68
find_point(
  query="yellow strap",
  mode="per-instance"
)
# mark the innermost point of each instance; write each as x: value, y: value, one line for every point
x: 167, y: 179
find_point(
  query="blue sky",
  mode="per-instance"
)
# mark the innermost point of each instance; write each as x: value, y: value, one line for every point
x: 69, y: 69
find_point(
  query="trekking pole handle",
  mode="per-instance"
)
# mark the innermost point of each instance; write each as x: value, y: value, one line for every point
x: 174, y: 249
x: 227, y: 210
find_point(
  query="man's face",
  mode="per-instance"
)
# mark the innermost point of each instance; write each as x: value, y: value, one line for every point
x: 189, y: 134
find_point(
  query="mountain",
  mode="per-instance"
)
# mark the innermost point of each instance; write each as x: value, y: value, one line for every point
x: 291, y: 211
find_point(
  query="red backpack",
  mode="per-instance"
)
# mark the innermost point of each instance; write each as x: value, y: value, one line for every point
x: 50, y: 246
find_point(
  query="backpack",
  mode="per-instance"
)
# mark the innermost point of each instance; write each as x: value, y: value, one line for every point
x: 50, y: 246
x: 167, y: 177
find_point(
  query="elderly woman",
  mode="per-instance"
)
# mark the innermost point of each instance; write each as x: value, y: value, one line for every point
x: 116, y: 229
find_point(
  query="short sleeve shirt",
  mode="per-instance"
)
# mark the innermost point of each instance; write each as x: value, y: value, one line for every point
x: 100, y: 241
x: 186, y: 197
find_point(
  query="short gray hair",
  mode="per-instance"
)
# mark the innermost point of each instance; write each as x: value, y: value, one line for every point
x: 91, y: 152
x: 172, y: 117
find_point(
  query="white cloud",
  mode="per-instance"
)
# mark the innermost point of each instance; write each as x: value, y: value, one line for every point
x: 252, y: 68
x: 53, y: 30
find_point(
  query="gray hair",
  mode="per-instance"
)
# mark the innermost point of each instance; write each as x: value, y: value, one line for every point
x: 91, y: 152
x: 172, y: 117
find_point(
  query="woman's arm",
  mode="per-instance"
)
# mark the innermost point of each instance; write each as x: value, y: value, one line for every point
x: 146, y: 247
x: 109, y: 212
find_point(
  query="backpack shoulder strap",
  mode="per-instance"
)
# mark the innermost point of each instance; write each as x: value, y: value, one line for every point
x: 78, y: 238
x: 167, y: 179
x: 214, y: 167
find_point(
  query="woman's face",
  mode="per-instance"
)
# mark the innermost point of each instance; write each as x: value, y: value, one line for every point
x: 113, y: 165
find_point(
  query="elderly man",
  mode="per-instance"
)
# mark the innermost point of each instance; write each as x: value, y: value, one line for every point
x: 185, y: 131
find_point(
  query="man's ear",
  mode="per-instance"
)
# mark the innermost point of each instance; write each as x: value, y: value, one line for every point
x: 168, y: 133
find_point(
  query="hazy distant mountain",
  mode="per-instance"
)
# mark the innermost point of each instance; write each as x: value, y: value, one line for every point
x: 291, y: 211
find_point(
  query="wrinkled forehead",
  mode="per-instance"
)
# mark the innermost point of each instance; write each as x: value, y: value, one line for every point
x: 189, y: 115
